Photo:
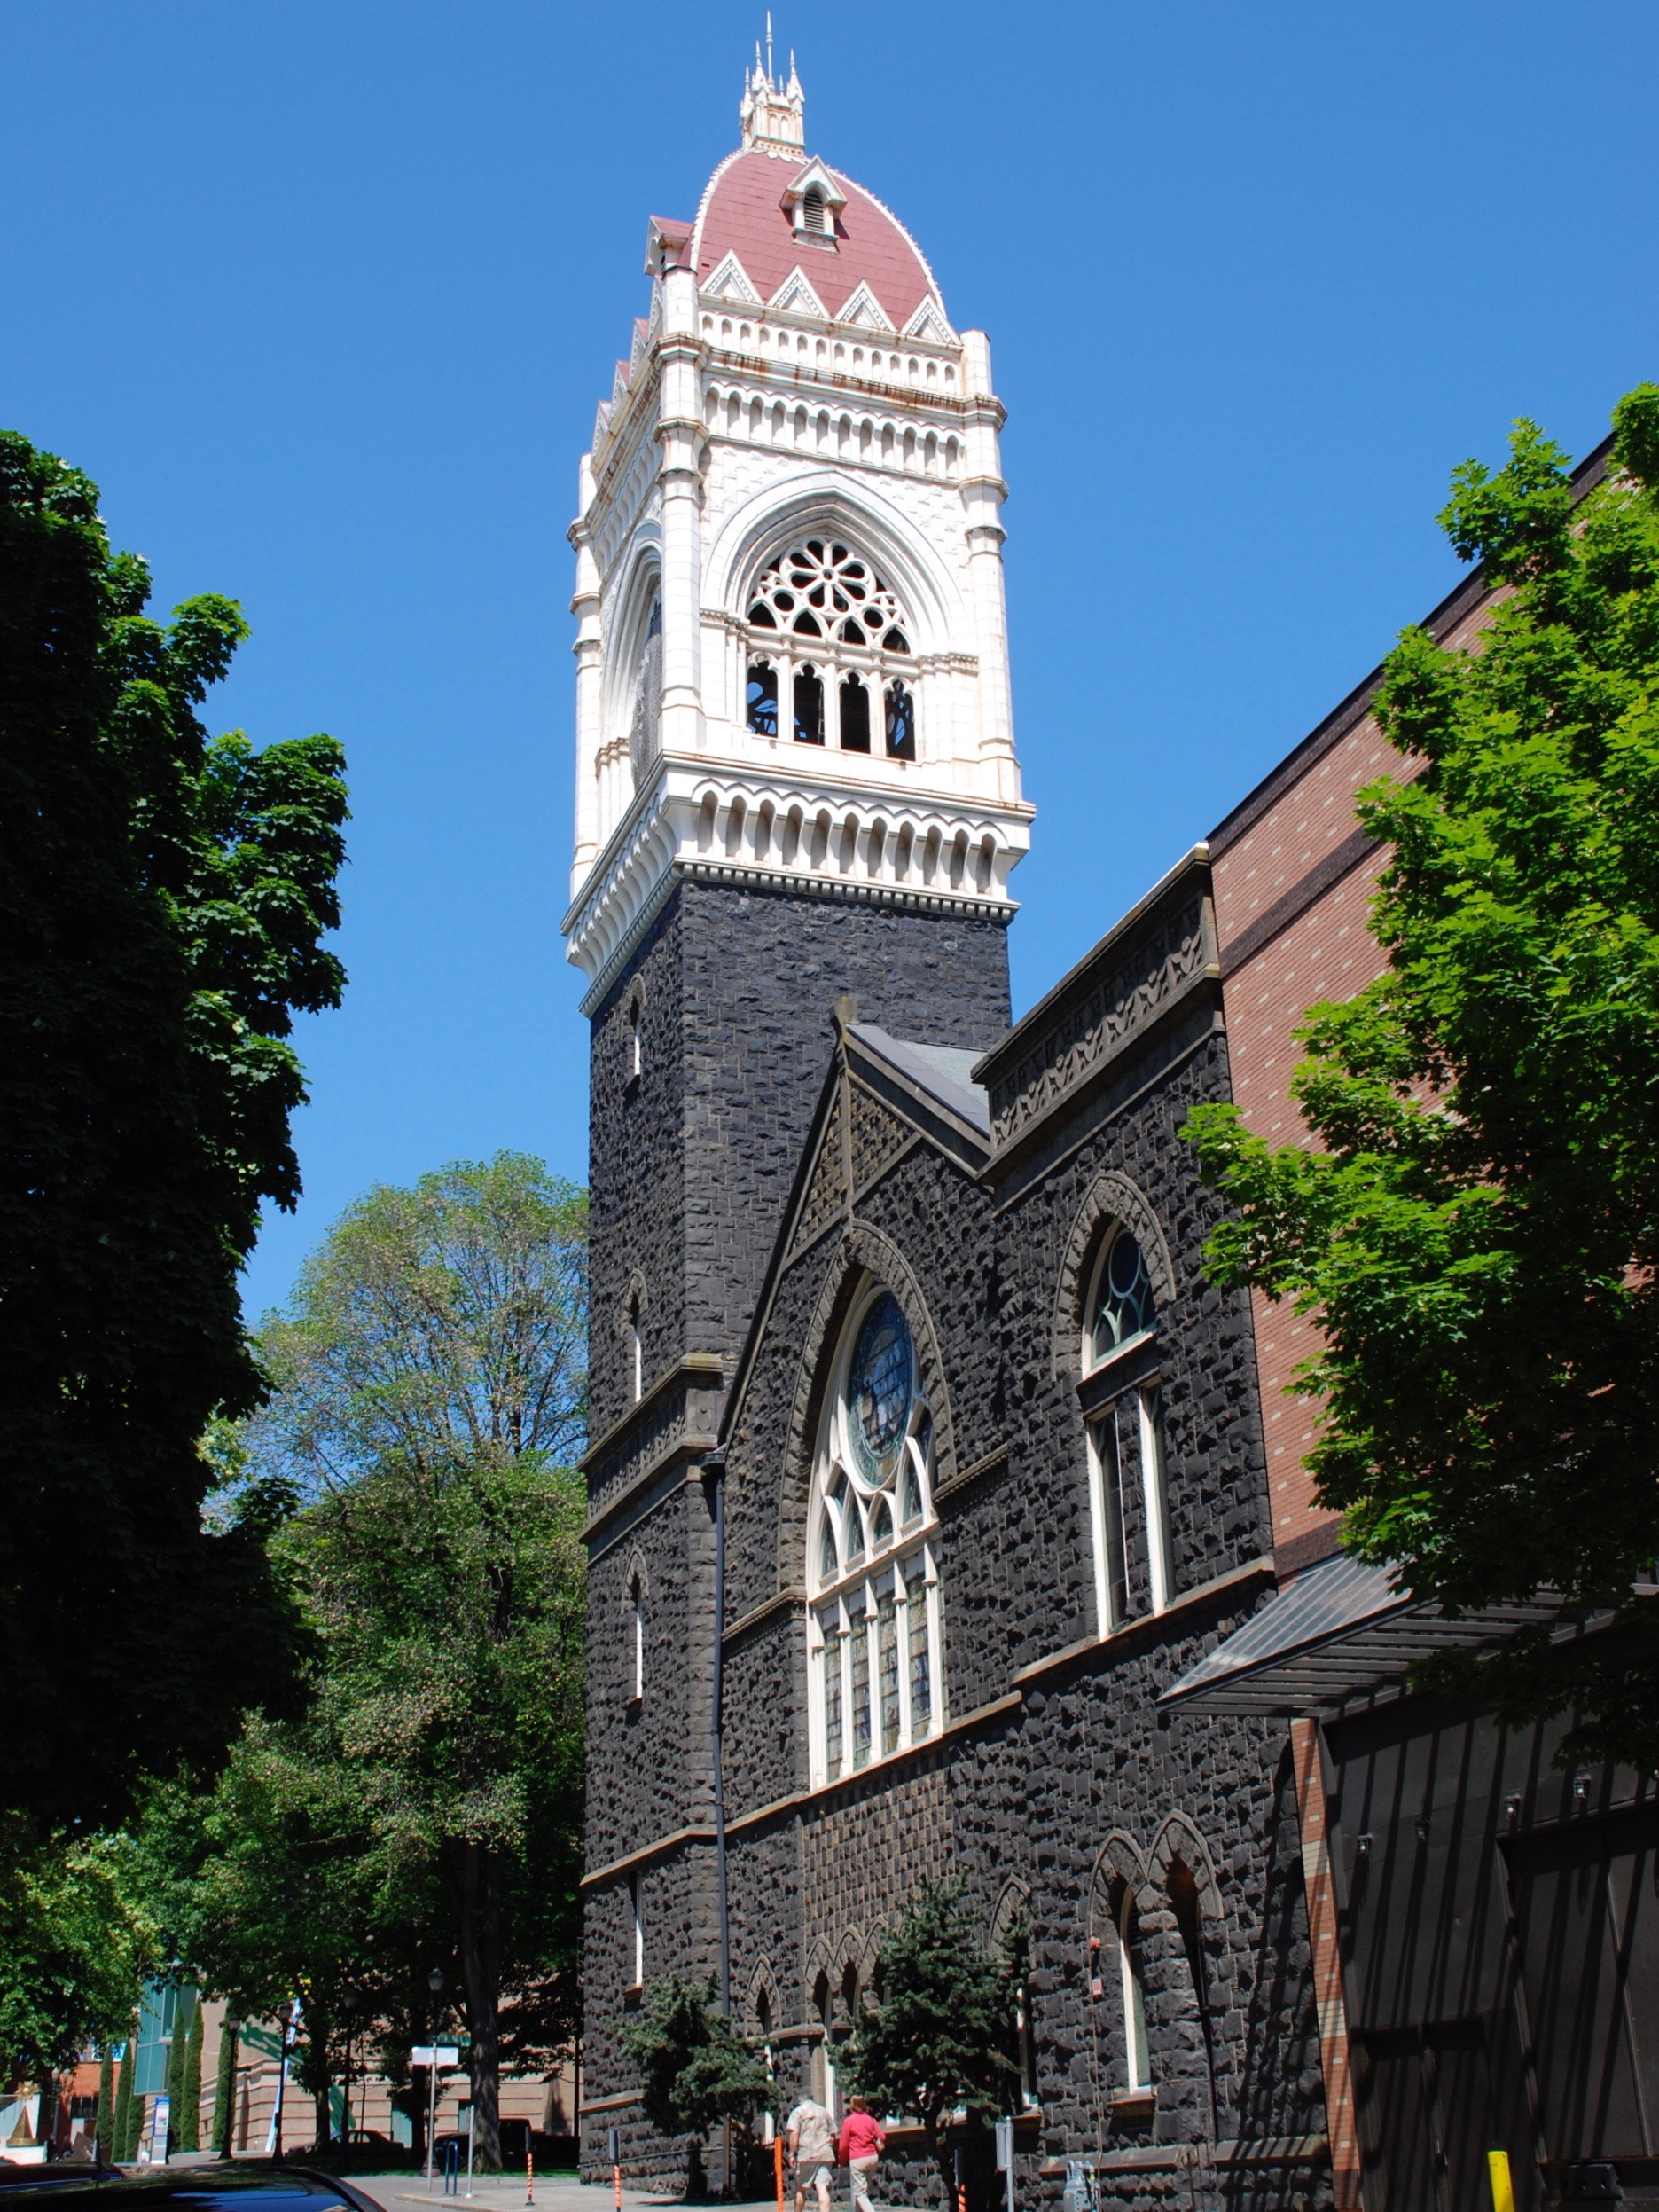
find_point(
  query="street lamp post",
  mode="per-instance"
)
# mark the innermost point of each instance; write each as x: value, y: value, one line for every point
x: 285, y: 2014
x: 434, y: 1983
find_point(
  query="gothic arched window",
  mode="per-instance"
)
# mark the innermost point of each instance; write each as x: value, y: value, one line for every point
x: 873, y: 1637
x: 1121, y: 1308
x: 821, y: 618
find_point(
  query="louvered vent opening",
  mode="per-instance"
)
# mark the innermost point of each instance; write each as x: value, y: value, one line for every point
x: 812, y: 210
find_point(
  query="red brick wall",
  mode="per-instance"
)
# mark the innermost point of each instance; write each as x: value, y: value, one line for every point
x: 1323, y: 950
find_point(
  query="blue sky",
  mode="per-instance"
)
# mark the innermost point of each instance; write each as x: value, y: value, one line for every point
x: 325, y: 297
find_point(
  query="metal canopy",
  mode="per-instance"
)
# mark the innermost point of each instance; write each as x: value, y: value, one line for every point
x: 1339, y: 1631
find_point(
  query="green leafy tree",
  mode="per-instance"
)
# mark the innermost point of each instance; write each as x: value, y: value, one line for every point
x: 126, y: 2137
x: 697, y: 2071
x: 103, y: 2126
x: 430, y: 1398
x: 266, y: 1883
x: 163, y: 900
x: 75, y: 1943
x: 1477, y: 1233
x: 943, y: 2034
x: 225, y: 2088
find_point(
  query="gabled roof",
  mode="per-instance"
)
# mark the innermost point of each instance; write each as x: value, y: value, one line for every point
x: 882, y: 1096
x: 945, y: 1074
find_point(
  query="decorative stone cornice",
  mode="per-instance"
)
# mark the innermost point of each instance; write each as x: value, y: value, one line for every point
x: 790, y: 826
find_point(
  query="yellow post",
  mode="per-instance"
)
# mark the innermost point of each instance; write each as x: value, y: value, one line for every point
x: 1503, y: 2188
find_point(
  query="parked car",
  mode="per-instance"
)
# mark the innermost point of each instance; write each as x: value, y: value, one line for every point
x: 247, y: 2186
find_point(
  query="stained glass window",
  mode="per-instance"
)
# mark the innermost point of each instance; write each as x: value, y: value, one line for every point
x: 1123, y: 1304
x: 879, y: 1389
x: 871, y: 1551
x: 886, y: 1643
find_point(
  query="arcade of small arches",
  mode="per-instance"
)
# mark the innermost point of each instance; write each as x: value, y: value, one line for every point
x: 888, y: 365
x: 875, y: 441
x: 828, y: 654
x: 1151, y: 1941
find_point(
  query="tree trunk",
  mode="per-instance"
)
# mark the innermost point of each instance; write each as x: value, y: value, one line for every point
x: 481, y: 1970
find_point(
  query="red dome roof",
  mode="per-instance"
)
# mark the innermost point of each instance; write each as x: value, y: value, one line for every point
x: 743, y: 213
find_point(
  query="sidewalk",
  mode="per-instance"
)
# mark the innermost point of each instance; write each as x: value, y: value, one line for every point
x: 505, y: 2192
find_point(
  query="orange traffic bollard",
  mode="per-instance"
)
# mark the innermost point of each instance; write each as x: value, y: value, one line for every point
x: 777, y: 2169
x: 617, y: 2183
x: 529, y: 2177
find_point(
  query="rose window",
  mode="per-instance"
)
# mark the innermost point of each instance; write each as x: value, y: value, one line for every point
x: 873, y: 1624
x: 829, y: 639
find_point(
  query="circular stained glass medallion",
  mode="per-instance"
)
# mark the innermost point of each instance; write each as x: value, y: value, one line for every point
x: 878, y: 1390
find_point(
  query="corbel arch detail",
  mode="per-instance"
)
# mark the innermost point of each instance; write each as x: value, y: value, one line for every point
x: 763, y: 1985
x: 1111, y: 1196
x: 636, y: 1579
x: 1178, y: 1839
x: 1013, y: 1903
x: 864, y: 1252
x: 1120, y: 1860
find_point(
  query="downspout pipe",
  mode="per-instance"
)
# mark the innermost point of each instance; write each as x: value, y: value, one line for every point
x: 714, y: 1466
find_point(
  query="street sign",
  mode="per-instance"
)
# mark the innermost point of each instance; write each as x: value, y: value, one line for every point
x: 434, y: 2054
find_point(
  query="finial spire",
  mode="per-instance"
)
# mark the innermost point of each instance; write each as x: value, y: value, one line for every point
x: 773, y: 112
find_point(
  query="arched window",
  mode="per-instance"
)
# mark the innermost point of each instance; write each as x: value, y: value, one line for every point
x: 1132, y: 1974
x: 827, y: 636
x: 1121, y: 1308
x: 647, y: 707
x: 636, y: 1596
x: 901, y: 723
x: 762, y: 699
x: 636, y: 1351
x: 873, y: 1637
x: 1129, y: 1504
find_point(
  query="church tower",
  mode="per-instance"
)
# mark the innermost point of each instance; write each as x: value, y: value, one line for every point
x: 796, y: 770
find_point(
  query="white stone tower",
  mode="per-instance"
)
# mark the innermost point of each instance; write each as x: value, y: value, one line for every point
x: 792, y: 656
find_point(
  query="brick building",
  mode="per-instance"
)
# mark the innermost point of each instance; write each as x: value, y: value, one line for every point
x: 942, y: 1517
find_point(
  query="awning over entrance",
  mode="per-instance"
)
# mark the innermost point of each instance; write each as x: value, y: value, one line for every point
x: 1340, y: 1630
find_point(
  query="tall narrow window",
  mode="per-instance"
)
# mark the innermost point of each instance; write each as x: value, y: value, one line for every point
x: 1111, y: 1551
x: 1137, y: 2057
x: 635, y: 1044
x: 639, y: 1930
x: 855, y: 715
x: 901, y: 723
x: 762, y: 699
x: 809, y: 706
x: 636, y: 1353
x: 873, y: 1630
x: 861, y: 1692
x: 1151, y: 1404
x: 638, y: 1594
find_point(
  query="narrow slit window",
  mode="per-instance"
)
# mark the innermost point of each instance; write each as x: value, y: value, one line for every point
x: 637, y: 1353
x: 887, y: 1644
x: 920, y: 1661
x: 1151, y: 1401
x: 809, y: 706
x: 861, y: 1694
x: 637, y: 1911
x: 832, y: 1750
x: 638, y: 1594
x: 854, y: 716
x: 1137, y: 2057
x: 1110, y: 1548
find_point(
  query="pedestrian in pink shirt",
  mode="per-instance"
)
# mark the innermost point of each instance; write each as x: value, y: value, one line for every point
x: 863, y: 2140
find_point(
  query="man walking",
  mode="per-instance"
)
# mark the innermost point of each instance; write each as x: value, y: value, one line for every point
x: 863, y: 2140
x: 811, y: 2142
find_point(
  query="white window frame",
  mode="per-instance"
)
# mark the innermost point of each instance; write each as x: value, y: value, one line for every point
x: 832, y: 659
x: 1137, y: 2056
x: 636, y: 1905
x: 846, y: 1605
